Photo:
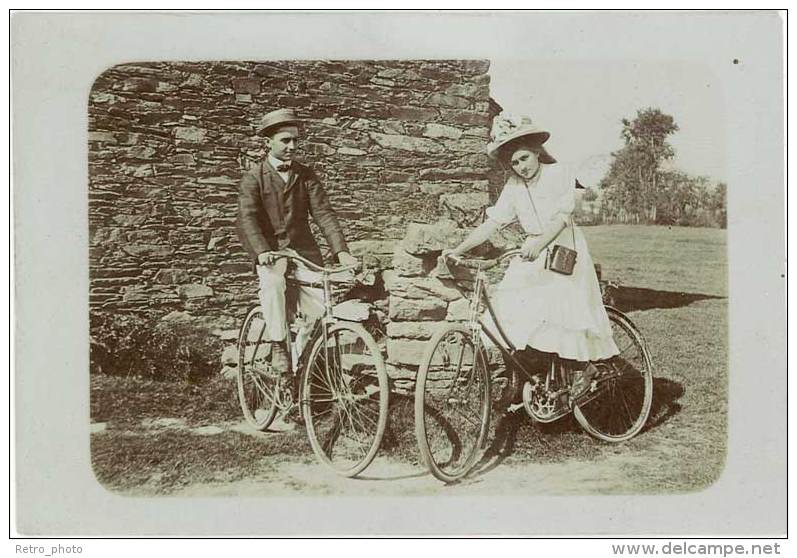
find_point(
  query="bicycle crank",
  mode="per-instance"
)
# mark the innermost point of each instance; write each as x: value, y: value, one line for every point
x: 543, y: 405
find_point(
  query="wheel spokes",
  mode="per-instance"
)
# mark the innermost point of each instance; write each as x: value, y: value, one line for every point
x: 343, y: 399
x: 453, y: 402
x: 618, y: 407
x: 257, y: 384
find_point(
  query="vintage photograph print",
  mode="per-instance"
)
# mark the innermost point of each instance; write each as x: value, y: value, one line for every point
x: 396, y: 274
x: 407, y: 277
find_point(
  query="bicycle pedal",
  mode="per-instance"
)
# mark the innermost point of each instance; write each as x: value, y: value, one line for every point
x: 370, y: 390
x: 514, y: 407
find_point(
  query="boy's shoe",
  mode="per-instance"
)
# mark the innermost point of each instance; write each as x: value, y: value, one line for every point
x: 582, y: 381
x: 287, y: 421
x: 282, y: 423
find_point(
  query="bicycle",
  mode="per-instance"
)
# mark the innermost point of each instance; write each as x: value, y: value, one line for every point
x: 453, y: 397
x: 342, y: 393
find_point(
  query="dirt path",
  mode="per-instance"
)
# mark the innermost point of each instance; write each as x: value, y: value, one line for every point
x: 386, y: 478
x: 391, y: 477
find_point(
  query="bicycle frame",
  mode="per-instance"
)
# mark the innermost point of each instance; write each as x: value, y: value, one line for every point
x: 321, y: 323
x: 501, y: 341
x: 546, y: 397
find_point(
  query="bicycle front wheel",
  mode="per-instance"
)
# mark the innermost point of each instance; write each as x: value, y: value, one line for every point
x: 344, y: 397
x: 619, y: 406
x: 452, y: 403
x: 257, y: 382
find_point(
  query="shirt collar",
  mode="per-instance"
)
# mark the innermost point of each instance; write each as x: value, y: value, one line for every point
x: 274, y: 162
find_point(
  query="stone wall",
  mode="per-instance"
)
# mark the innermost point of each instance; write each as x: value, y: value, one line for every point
x: 168, y: 143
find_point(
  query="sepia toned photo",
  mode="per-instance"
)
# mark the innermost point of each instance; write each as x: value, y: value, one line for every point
x: 431, y: 275
x: 345, y: 259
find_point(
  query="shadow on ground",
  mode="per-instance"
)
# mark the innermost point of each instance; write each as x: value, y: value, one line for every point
x: 630, y: 299
x: 399, y: 439
x: 666, y: 394
x: 516, y: 434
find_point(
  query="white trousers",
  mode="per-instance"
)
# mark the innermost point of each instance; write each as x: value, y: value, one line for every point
x: 273, y: 287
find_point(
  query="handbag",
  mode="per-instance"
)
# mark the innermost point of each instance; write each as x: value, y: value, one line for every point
x: 559, y: 259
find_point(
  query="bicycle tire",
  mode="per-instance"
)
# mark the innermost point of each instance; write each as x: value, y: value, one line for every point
x: 345, y: 404
x: 629, y: 388
x: 448, y: 448
x: 257, y: 385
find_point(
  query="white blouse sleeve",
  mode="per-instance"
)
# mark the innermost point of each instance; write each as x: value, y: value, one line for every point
x: 503, y: 212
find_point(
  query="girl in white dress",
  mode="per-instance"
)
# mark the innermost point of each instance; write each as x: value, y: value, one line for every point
x: 536, y: 307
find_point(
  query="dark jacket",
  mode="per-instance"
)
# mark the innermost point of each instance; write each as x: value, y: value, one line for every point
x: 273, y: 215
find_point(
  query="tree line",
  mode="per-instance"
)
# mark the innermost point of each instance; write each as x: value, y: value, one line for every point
x: 640, y: 188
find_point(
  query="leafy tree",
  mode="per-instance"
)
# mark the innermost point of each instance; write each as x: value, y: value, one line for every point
x: 589, y: 195
x: 681, y: 197
x: 632, y: 183
x: 673, y: 198
x: 719, y: 204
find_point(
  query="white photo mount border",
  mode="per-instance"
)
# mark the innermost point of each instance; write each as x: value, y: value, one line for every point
x: 52, y: 75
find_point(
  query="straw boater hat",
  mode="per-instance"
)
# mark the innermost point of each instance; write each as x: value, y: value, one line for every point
x: 507, y: 129
x: 279, y: 117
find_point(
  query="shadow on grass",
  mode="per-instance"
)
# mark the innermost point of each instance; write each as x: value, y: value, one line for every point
x: 399, y: 438
x: 392, y: 477
x: 515, y: 434
x: 398, y: 441
x: 629, y: 299
x: 561, y: 440
x: 666, y: 394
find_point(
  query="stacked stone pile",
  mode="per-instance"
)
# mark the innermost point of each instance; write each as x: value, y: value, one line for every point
x: 420, y: 303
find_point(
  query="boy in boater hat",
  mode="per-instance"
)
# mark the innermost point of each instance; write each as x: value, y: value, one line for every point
x: 274, y: 201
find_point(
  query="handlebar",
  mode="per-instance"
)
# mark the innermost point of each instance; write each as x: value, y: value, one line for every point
x: 483, y: 263
x: 509, y: 254
x: 278, y: 255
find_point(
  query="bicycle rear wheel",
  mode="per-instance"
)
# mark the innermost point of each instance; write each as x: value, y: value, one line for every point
x: 257, y: 382
x: 619, y: 406
x: 452, y: 403
x: 344, y: 397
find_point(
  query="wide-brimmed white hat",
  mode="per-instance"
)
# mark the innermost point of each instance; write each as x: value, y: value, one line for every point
x: 508, y: 128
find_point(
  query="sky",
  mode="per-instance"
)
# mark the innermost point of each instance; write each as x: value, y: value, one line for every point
x: 582, y: 104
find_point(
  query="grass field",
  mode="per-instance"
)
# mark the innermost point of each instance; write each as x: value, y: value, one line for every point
x: 673, y: 285
x: 663, y: 258
x: 682, y: 273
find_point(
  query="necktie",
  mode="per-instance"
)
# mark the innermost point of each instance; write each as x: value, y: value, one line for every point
x: 283, y: 168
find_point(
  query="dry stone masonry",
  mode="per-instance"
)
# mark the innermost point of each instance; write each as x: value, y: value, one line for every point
x: 420, y: 300
x: 168, y: 143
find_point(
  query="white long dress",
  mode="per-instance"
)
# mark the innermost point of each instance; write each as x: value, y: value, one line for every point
x: 545, y: 310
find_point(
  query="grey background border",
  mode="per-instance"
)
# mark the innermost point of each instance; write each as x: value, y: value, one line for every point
x: 55, y: 58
